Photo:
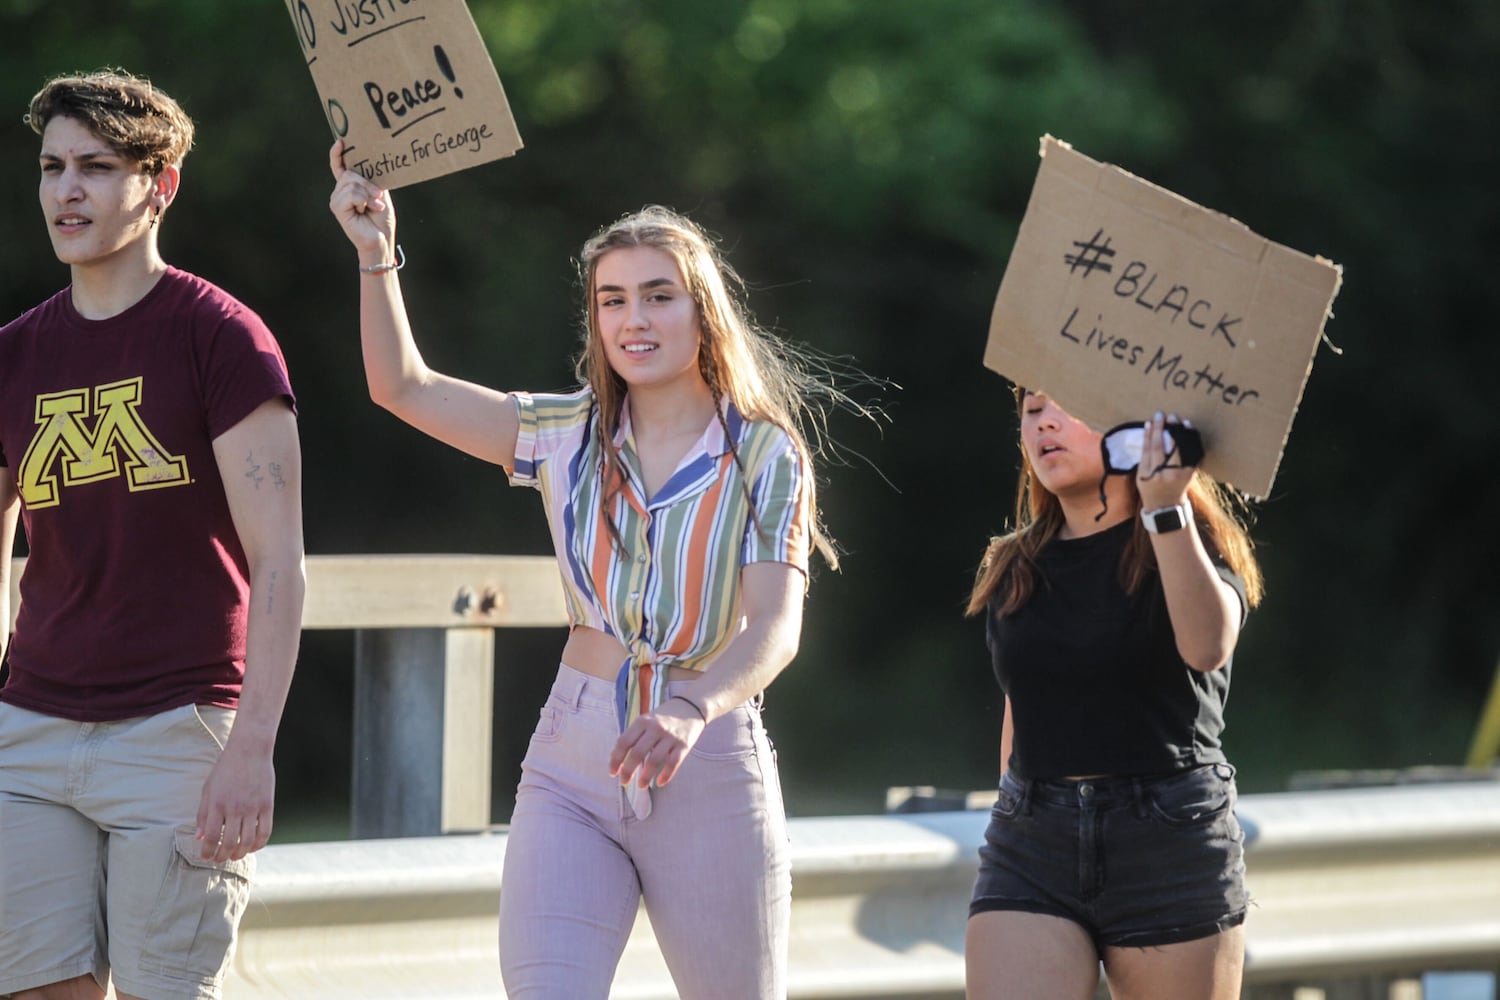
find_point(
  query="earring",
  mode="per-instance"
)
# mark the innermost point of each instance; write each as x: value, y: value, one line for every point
x: 155, y: 215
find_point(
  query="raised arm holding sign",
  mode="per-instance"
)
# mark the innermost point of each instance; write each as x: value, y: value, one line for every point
x: 1122, y: 298
x: 680, y: 493
x: 1111, y: 626
x: 1114, y: 606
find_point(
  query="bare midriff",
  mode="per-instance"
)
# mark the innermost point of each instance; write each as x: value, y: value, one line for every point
x: 600, y: 655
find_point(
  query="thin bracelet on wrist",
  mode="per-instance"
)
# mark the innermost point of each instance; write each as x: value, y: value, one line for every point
x: 385, y: 266
x: 695, y: 706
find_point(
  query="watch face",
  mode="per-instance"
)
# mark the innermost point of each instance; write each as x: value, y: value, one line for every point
x: 1167, y: 520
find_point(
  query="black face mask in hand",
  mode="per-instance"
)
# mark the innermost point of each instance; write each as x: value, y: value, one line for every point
x: 1122, y: 446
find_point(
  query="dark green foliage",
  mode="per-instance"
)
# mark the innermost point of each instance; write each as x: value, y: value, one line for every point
x: 867, y: 164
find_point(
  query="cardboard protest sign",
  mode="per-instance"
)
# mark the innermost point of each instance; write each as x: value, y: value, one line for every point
x: 1121, y: 299
x: 407, y: 84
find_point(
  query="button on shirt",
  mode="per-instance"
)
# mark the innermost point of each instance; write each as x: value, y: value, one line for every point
x: 671, y: 592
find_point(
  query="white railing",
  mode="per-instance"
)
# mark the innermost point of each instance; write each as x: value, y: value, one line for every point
x: 1354, y: 890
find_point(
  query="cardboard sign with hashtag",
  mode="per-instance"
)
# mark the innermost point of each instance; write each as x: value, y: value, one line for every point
x: 408, y: 86
x: 1122, y: 299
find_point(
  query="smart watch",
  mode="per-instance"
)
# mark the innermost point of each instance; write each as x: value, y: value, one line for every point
x: 1165, y: 519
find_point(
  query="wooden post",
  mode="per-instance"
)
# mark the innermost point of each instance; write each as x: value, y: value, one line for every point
x: 423, y: 713
x: 424, y: 675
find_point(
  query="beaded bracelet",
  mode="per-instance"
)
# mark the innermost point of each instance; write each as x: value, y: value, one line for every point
x: 383, y: 267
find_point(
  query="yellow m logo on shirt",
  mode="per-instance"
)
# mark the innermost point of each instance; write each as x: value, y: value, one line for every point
x: 88, y: 457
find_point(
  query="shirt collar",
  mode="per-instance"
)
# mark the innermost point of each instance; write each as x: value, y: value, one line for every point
x: 714, y: 442
x: 698, y: 468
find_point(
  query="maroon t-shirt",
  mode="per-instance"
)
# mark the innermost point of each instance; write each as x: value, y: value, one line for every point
x: 133, y: 600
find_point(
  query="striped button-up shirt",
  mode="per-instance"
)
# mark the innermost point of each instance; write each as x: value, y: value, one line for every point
x: 671, y: 592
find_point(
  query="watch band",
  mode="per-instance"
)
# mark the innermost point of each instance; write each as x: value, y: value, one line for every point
x: 1166, y: 519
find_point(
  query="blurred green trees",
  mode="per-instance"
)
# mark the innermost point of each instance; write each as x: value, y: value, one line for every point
x: 866, y: 164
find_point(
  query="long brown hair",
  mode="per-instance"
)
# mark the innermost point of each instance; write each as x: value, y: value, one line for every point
x: 1009, y: 566
x: 763, y: 376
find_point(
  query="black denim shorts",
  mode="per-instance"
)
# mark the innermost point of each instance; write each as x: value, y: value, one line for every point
x: 1136, y: 861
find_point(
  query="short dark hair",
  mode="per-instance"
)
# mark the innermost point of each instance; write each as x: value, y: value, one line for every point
x: 136, y: 119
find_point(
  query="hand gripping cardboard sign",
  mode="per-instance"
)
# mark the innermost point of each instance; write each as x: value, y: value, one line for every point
x: 1122, y: 299
x: 407, y: 84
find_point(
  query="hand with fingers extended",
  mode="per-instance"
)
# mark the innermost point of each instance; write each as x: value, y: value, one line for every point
x: 655, y: 745
x: 1161, y: 484
x: 364, y: 210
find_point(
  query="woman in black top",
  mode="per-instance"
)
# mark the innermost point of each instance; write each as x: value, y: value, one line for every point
x: 1114, y: 837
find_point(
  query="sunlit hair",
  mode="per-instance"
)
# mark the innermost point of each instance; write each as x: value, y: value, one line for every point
x: 1009, y: 566
x: 765, y: 377
x: 136, y: 120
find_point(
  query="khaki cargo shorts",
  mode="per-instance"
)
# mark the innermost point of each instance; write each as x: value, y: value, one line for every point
x: 100, y: 871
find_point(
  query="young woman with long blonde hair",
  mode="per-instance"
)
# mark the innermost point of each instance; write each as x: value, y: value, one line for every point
x: 678, y: 486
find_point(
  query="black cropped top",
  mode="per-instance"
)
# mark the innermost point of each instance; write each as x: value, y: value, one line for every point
x: 1095, y: 682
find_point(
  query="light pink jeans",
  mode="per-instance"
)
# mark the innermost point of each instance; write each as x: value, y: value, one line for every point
x: 711, y: 860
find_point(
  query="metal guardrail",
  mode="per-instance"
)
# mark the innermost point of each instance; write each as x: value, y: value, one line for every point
x: 1355, y: 890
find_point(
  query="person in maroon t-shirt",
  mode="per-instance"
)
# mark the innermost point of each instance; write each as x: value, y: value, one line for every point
x: 148, y: 441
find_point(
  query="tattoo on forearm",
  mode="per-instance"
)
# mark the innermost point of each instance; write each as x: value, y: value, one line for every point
x: 276, y: 478
x: 252, y: 472
x: 271, y: 593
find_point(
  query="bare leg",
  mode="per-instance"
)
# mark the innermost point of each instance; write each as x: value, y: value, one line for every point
x: 77, y: 988
x: 1206, y: 969
x: 1010, y: 955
